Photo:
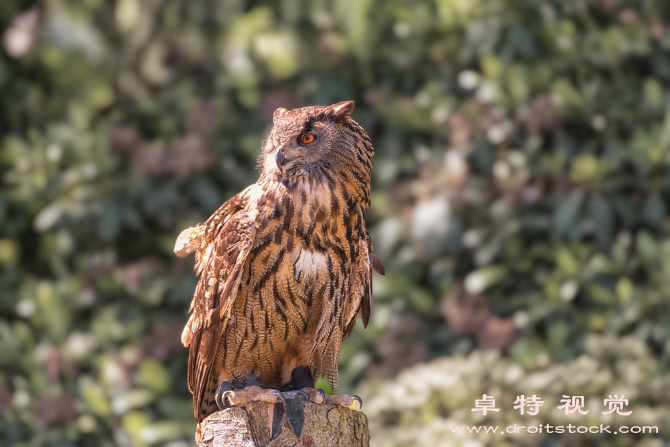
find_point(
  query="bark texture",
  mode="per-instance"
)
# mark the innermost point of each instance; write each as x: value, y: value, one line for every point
x: 264, y: 425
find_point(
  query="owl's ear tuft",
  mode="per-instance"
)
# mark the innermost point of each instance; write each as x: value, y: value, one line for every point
x: 279, y: 112
x: 341, y: 111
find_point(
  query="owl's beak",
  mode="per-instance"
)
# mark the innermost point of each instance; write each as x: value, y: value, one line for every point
x: 280, y: 159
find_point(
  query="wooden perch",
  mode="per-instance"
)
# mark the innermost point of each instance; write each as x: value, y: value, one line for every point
x: 264, y: 424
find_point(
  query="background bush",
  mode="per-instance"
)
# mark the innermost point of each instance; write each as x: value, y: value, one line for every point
x: 520, y: 202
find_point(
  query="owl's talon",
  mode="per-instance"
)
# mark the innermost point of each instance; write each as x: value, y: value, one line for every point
x: 279, y: 394
x: 227, y: 398
x: 359, y: 400
x: 221, y: 394
x: 320, y: 396
x: 222, y: 399
x: 303, y: 394
x: 295, y: 393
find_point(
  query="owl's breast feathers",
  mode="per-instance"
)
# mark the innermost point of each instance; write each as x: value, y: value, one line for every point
x: 266, y: 233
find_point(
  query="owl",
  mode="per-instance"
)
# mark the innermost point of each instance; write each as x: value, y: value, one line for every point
x: 284, y: 267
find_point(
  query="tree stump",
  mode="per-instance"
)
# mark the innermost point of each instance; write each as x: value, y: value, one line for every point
x: 264, y: 424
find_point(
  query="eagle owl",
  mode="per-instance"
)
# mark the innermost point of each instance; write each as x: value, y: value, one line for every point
x: 285, y: 267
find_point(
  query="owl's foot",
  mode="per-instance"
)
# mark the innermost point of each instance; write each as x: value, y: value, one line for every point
x: 351, y: 402
x: 227, y: 397
x: 317, y: 396
x: 301, y: 379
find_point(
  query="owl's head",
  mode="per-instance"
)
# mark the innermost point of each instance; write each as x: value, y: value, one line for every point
x: 318, y: 144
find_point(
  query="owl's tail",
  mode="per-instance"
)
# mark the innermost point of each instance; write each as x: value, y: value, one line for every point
x: 202, y: 379
x: 204, y: 404
x: 208, y: 400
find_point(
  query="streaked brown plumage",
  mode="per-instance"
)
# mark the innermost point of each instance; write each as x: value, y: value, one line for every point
x: 285, y: 265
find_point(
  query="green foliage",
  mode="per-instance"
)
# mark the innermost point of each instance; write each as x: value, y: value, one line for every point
x: 520, y: 191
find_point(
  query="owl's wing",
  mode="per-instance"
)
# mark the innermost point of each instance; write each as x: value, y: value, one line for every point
x: 223, y: 242
x: 359, y: 301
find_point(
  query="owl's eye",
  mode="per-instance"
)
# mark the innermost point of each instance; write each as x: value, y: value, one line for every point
x: 306, y: 138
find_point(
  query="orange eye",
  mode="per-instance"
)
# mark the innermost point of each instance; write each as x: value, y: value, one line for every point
x: 307, y: 138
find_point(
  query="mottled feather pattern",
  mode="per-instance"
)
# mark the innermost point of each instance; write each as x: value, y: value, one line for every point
x: 285, y: 266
